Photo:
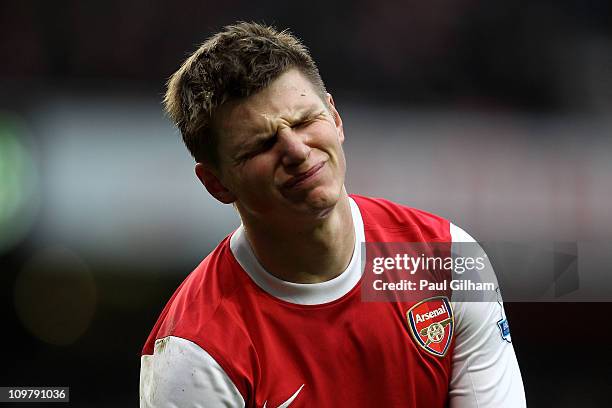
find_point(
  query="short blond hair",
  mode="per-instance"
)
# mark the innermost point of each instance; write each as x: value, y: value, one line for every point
x: 234, y: 63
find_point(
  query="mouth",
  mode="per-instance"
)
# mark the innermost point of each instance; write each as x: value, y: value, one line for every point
x: 301, y: 178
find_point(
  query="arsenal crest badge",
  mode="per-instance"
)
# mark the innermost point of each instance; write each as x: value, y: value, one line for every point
x: 431, y: 324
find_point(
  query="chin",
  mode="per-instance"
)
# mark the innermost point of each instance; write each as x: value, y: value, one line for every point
x: 320, y: 202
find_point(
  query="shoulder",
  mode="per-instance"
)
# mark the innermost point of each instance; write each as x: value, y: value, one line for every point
x: 379, y: 213
x: 196, y: 301
x: 483, y: 353
x: 200, y: 322
x: 182, y: 374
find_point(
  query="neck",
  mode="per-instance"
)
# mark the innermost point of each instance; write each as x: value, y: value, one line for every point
x: 306, y: 252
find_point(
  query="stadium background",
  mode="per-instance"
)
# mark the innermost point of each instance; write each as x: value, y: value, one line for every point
x: 495, y: 115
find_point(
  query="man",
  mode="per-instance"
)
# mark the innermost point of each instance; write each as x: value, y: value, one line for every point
x: 273, y: 317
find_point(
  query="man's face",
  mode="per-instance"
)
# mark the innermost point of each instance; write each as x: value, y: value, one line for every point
x: 281, y: 150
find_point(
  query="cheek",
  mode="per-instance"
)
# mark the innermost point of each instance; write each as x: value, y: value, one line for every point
x: 257, y: 173
x: 333, y: 146
x: 324, y: 136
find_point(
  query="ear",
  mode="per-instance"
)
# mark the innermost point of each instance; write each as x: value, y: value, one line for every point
x: 215, y: 187
x: 336, y: 115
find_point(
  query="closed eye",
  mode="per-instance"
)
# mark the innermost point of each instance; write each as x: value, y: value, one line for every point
x: 267, y: 144
x: 302, y: 124
x: 260, y: 147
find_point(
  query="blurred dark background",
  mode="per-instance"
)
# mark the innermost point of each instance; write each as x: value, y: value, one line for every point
x: 495, y: 115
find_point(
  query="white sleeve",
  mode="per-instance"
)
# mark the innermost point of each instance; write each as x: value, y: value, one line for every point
x: 485, y: 373
x: 181, y: 374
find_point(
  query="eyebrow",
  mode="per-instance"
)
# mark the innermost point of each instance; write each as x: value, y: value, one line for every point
x: 258, y: 140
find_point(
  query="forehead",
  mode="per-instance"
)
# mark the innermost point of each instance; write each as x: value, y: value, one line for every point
x: 287, y: 97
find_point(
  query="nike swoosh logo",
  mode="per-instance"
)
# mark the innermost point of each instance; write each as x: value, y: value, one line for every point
x: 289, y: 401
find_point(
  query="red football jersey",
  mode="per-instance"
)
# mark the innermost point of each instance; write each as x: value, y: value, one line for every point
x: 234, y: 335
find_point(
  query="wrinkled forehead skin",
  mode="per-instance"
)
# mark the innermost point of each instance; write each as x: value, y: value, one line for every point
x: 288, y: 98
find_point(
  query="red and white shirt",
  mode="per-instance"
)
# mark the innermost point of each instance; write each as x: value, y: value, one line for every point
x: 233, y: 335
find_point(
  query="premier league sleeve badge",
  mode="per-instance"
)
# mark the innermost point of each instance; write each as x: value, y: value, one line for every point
x: 431, y: 324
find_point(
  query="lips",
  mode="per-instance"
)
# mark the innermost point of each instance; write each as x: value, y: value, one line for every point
x: 295, y: 180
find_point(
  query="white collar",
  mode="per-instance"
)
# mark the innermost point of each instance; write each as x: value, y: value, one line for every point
x: 302, y: 293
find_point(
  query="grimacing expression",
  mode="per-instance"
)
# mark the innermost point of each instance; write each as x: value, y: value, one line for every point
x: 281, y: 149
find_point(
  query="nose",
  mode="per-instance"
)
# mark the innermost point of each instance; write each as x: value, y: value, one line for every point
x: 293, y: 148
